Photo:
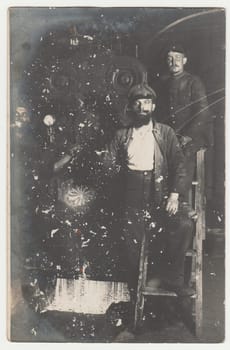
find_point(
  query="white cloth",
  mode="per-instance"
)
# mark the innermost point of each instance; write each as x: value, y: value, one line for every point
x: 141, y: 148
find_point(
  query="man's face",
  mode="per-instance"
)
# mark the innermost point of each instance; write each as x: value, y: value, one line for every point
x: 176, y: 62
x: 142, y: 108
x: 22, y: 118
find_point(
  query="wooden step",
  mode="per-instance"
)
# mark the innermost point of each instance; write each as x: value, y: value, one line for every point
x: 149, y: 291
x: 191, y: 252
x: 195, y: 183
x: 158, y: 291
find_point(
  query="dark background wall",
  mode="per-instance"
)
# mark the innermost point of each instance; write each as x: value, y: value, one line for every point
x: 141, y: 33
x: 82, y: 92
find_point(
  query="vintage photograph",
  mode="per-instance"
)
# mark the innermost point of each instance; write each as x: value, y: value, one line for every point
x: 116, y: 154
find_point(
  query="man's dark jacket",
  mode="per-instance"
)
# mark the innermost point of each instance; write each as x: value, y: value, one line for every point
x: 182, y: 104
x: 169, y: 170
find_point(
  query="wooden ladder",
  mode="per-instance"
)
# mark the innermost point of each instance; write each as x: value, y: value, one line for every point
x: 197, y: 195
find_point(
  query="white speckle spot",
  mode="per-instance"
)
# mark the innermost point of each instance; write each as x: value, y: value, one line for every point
x: 53, y: 232
x: 159, y: 179
x: 119, y: 322
x: 33, y: 331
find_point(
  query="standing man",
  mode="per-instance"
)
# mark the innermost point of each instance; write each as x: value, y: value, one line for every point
x: 153, y: 163
x: 183, y: 105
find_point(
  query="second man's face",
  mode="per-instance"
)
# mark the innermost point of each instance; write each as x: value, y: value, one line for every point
x: 176, y: 62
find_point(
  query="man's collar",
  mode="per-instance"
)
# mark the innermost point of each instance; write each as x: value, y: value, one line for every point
x: 178, y: 76
x: 156, y: 126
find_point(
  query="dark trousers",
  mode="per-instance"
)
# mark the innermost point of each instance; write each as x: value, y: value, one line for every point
x: 169, y: 237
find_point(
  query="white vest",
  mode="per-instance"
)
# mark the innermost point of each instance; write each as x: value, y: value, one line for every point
x: 141, y: 148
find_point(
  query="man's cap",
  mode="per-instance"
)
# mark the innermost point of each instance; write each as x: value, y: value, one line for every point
x: 176, y: 47
x: 141, y: 91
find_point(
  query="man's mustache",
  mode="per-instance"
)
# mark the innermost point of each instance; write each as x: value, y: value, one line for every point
x: 143, y: 120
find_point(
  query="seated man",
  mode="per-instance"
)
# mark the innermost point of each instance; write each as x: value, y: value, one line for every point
x: 155, y: 176
x: 153, y: 164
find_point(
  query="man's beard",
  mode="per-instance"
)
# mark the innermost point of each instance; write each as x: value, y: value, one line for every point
x: 140, y: 120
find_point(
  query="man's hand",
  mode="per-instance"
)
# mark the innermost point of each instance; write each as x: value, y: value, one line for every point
x: 184, y: 140
x: 72, y: 152
x: 172, y: 204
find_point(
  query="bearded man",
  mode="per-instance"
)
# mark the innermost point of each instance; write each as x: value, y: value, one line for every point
x: 155, y: 177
